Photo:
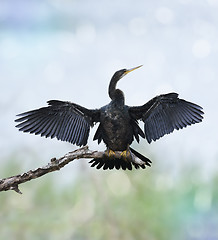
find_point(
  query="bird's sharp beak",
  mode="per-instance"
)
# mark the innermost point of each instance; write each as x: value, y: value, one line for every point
x: 132, y: 69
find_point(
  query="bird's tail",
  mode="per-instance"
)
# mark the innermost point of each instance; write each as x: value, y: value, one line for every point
x: 137, y: 160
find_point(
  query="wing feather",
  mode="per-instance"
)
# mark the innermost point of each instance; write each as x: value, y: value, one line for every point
x: 46, y: 132
x: 75, y: 132
x: 64, y: 120
x: 164, y: 113
x: 69, y: 132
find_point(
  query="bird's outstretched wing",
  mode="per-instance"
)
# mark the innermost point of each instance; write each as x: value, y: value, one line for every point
x: 164, y: 113
x: 64, y: 120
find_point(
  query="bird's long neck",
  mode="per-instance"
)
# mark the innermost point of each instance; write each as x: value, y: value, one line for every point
x: 115, y: 94
x: 112, y: 87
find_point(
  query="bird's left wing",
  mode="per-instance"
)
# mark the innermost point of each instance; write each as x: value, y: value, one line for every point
x: 164, y: 113
x: 64, y: 120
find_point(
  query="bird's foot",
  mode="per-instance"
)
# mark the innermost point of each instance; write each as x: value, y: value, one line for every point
x: 126, y: 155
x: 110, y: 153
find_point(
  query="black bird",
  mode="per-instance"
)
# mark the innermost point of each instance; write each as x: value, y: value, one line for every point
x: 118, y: 123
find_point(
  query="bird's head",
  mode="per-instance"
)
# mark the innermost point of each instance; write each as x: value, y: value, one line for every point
x: 116, y: 93
x: 123, y: 72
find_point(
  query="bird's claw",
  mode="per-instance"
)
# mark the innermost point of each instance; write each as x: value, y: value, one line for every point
x: 109, y: 153
x: 126, y: 155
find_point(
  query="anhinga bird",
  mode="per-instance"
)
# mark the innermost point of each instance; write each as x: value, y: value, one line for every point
x: 118, y: 123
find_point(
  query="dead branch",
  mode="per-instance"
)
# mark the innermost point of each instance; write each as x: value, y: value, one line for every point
x: 11, y: 183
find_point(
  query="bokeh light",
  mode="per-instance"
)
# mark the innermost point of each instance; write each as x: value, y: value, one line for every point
x: 164, y: 15
x: 201, y: 48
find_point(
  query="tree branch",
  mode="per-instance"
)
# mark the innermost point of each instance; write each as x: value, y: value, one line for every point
x: 11, y: 183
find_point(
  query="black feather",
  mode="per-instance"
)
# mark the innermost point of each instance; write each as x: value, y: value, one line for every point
x: 63, y: 120
x: 164, y: 113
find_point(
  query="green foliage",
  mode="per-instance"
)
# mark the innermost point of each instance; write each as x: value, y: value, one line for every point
x: 144, y: 204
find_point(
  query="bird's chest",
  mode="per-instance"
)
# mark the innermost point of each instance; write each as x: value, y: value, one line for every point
x: 116, y: 127
x: 113, y: 119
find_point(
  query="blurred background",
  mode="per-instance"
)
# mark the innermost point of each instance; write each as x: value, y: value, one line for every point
x: 69, y: 50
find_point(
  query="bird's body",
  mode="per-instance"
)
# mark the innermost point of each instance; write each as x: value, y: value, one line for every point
x: 114, y: 121
x: 118, y: 123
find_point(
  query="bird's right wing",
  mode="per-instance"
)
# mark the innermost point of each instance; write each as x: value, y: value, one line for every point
x: 164, y: 113
x: 64, y: 120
